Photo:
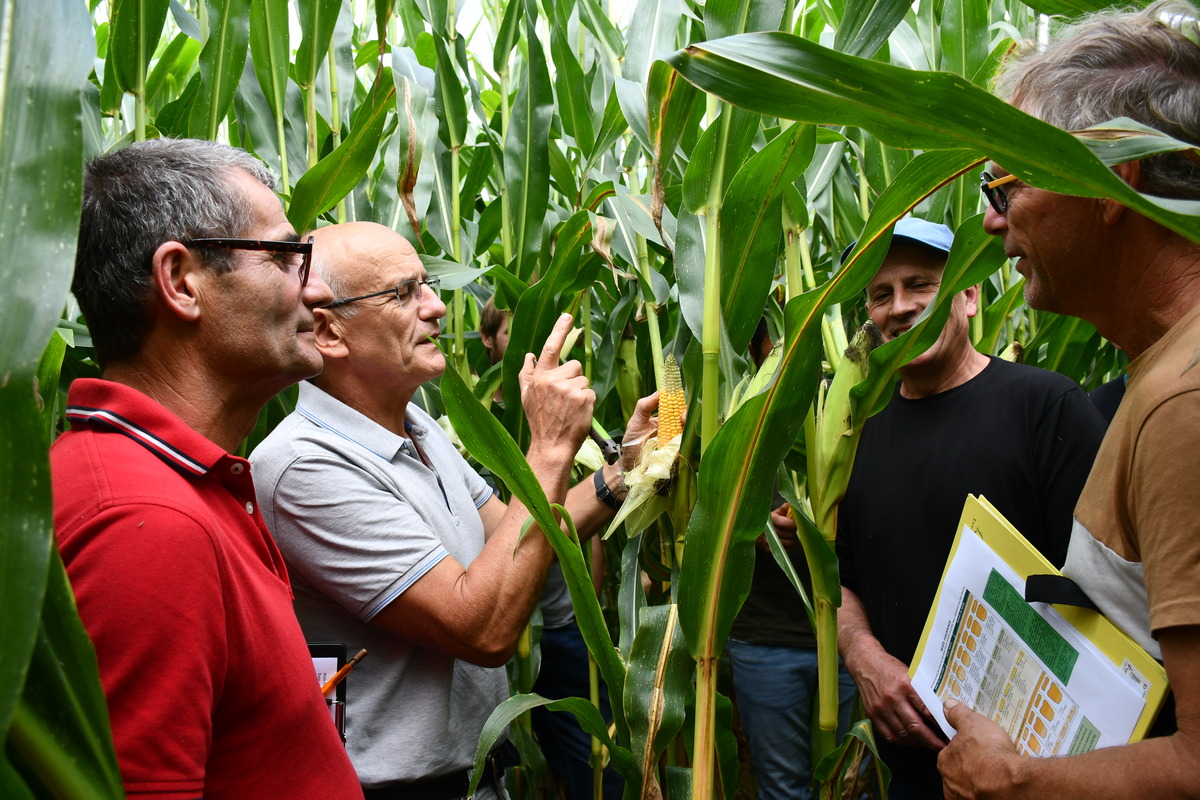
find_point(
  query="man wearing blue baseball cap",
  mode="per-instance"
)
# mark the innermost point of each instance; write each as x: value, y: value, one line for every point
x: 959, y: 422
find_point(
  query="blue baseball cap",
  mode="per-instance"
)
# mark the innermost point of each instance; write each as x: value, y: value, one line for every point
x: 921, y: 231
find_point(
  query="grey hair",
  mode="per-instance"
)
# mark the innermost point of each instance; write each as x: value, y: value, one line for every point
x: 339, y: 286
x: 134, y: 200
x: 1130, y: 63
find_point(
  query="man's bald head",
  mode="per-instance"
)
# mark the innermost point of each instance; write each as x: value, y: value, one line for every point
x: 352, y: 256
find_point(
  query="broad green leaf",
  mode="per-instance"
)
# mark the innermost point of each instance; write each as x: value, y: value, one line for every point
x: 1060, y: 343
x: 453, y: 275
x: 172, y: 119
x: 838, y: 766
x: 337, y: 174
x: 596, y: 20
x: 48, y: 369
x: 134, y: 29
x: 727, y: 17
x: 318, y: 18
x: 792, y: 78
x: 571, y: 88
x: 221, y: 63
x: 673, y: 107
x: 451, y: 103
x: 585, y: 713
x: 269, y: 47
x: 41, y: 160
x: 188, y: 24
x: 415, y: 135
x: 506, y: 37
x: 964, y: 31
x: 538, y: 308
x: 631, y: 597
x: 436, y: 12
x: 994, y: 317
x: 61, y: 730
x: 1075, y: 8
x: 866, y: 25
x: 173, y: 66
x: 751, y: 237
x: 656, y: 688
x: 652, y: 33
x: 527, y: 158
x: 383, y: 14
x: 488, y: 442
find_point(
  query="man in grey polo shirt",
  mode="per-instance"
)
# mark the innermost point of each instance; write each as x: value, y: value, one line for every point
x: 392, y: 540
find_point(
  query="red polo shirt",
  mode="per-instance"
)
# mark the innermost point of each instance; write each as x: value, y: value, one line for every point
x: 209, y: 684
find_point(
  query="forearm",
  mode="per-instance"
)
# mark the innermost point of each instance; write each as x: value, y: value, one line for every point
x: 1161, y: 767
x: 856, y: 642
x: 588, y: 512
x: 501, y: 587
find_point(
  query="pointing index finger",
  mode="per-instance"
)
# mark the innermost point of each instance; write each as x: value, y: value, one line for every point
x: 554, y: 342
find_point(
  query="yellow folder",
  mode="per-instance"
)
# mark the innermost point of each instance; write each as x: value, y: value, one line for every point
x: 1013, y: 549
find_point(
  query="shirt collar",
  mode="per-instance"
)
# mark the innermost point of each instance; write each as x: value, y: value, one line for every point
x: 96, y: 403
x: 325, y: 410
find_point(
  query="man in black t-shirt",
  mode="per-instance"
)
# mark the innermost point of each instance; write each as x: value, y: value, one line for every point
x: 958, y: 423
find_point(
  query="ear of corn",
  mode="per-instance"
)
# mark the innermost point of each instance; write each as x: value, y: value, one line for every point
x: 834, y: 438
x: 671, y: 402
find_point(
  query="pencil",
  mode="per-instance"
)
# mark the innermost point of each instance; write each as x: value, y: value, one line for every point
x: 338, y: 676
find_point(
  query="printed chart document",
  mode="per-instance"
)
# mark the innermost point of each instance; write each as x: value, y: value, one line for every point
x: 1061, y: 680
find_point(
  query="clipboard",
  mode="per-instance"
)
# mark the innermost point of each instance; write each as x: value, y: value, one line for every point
x: 984, y: 644
x: 328, y: 658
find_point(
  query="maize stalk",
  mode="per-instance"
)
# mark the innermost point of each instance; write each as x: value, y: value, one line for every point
x: 671, y: 402
x: 832, y: 435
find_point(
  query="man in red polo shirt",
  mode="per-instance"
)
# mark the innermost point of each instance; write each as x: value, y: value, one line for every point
x: 210, y: 689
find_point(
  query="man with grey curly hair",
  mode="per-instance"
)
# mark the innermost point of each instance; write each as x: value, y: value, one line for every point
x: 196, y: 292
x: 1135, y: 545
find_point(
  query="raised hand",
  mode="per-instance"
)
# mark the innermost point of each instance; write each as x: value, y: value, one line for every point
x: 557, y: 398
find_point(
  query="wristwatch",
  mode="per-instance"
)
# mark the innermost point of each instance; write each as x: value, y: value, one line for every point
x: 603, y: 493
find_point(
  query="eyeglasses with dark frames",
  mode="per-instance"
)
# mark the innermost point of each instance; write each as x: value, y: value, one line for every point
x: 404, y: 291
x: 990, y: 186
x: 304, y: 248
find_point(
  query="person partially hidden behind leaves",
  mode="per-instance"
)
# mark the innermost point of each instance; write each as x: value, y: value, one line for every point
x: 395, y: 543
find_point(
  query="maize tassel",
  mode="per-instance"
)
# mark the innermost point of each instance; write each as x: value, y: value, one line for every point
x: 671, y: 402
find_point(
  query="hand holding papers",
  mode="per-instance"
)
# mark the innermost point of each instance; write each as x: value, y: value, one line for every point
x: 1059, y: 680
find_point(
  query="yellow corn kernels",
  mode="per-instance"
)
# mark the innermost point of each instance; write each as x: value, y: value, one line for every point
x: 671, y: 402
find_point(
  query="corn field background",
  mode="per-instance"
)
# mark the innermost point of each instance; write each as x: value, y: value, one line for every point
x: 669, y: 171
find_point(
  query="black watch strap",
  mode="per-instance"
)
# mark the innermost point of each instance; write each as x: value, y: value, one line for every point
x: 603, y: 493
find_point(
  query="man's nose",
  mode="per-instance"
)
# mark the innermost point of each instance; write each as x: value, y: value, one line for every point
x: 994, y: 222
x: 431, y: 305
x: 316, y: 292
x: 905, y: 303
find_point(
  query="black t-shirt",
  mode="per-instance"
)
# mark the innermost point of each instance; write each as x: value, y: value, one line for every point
x: 773, y: 614
x: 1022, y: 437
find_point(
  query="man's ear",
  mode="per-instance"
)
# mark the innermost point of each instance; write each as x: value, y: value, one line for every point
x: 971, y: 298
x: 1130, y: 172
x: 177, y: 273
x: 327, y: 330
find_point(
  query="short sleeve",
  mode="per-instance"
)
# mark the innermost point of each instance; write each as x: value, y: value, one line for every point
x: 349, y: 533
x: 1164, y: 497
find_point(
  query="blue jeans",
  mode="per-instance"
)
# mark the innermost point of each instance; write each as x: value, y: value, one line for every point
x: 568, y: 749
x: 776, y: 689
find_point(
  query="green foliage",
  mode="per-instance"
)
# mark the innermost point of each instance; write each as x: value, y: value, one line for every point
x: 671, y: 177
